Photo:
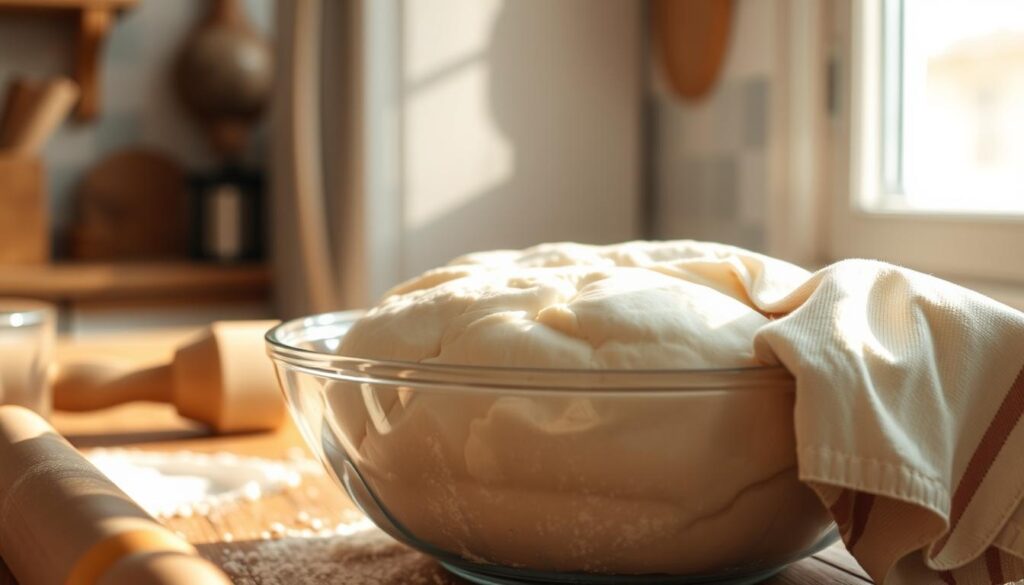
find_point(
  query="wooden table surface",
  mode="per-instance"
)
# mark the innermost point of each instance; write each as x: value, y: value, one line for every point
x: 258, y: 542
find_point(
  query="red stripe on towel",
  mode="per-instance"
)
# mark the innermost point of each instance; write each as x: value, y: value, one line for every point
x: 862, y: 505
x: 992, y: 442
x: 994, y: 562
x: 948, y: 578
x: 841, y: 509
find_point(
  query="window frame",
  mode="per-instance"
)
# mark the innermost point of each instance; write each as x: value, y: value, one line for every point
x: 964, y: 247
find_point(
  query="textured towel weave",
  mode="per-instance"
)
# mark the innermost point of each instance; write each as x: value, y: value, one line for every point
x: 910, y: 396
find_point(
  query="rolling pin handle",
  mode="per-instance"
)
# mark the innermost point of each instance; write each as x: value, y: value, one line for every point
x: 90, y: 386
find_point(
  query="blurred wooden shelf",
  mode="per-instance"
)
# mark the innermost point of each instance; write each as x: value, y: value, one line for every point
x: 95, y: 18
x: 71, y: 282
x: 69, y: 4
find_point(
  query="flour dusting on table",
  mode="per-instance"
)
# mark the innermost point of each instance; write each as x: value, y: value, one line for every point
x: 184, y: 483
x: 356, y: 553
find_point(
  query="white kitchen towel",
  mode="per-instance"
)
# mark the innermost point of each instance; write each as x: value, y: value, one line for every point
x: 909, y: 404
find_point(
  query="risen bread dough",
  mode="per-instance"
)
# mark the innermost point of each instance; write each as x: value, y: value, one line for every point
x: 639, y: 305
x: 613, y: 483
x: 567, y: 317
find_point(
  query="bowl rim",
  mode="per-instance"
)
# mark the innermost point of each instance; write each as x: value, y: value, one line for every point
x: 355, y: 369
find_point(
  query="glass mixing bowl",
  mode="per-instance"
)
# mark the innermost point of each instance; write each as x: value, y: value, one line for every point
x: 517, y: 476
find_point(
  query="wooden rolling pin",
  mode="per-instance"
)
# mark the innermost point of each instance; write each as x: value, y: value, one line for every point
x: 223, y: 379
x: 62, y: 522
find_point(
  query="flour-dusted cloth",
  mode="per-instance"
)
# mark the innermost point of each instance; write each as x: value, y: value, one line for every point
x: 910, y: 396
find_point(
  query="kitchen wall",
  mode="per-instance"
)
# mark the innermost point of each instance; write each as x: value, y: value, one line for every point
x: 520, y: 124
x: 712, y: 168
x: 451, y: 126
x: 461, y: 125
x: 138, y: 103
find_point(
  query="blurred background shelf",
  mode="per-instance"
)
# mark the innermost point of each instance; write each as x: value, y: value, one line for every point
x: 100, y: 298
x: 95, y: 18
x: 69, y: 4
x: 70, y: 282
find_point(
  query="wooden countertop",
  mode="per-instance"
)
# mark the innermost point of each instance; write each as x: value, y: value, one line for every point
x: 236, y: 537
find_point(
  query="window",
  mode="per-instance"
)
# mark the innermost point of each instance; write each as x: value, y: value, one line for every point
x: 953, y: 106
x: 925, y: 139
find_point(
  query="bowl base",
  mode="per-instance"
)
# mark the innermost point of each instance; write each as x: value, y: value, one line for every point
x: 483, y: 575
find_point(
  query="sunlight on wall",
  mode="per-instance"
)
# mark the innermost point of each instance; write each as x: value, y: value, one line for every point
x: 519, y: 124
x: 439, y: 34
x: 474, y: 159
x: 446, y: 72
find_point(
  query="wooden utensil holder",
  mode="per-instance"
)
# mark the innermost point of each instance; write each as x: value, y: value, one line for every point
x: 24, y: 211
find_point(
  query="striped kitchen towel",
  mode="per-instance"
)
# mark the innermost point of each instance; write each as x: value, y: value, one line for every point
x: 910, y: 396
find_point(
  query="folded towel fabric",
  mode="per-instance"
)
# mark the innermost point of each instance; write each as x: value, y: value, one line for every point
x: 910, y: 396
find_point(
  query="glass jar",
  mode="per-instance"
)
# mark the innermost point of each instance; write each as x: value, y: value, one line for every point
x: 27, y: 337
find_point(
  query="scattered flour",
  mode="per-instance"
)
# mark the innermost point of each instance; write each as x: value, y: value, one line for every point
x: 183, y: 483
x: 354, y: 554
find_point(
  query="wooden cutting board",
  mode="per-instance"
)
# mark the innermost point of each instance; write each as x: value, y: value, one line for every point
x: 131, y: 206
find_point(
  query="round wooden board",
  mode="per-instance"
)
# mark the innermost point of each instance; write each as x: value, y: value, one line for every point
x: 132, y: 205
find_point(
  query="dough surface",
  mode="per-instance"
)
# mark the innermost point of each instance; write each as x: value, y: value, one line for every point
x: 638, y: 305
x: 576, y: 481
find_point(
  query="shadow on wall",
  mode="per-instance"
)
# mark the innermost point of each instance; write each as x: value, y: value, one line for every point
x: 534, y: 138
